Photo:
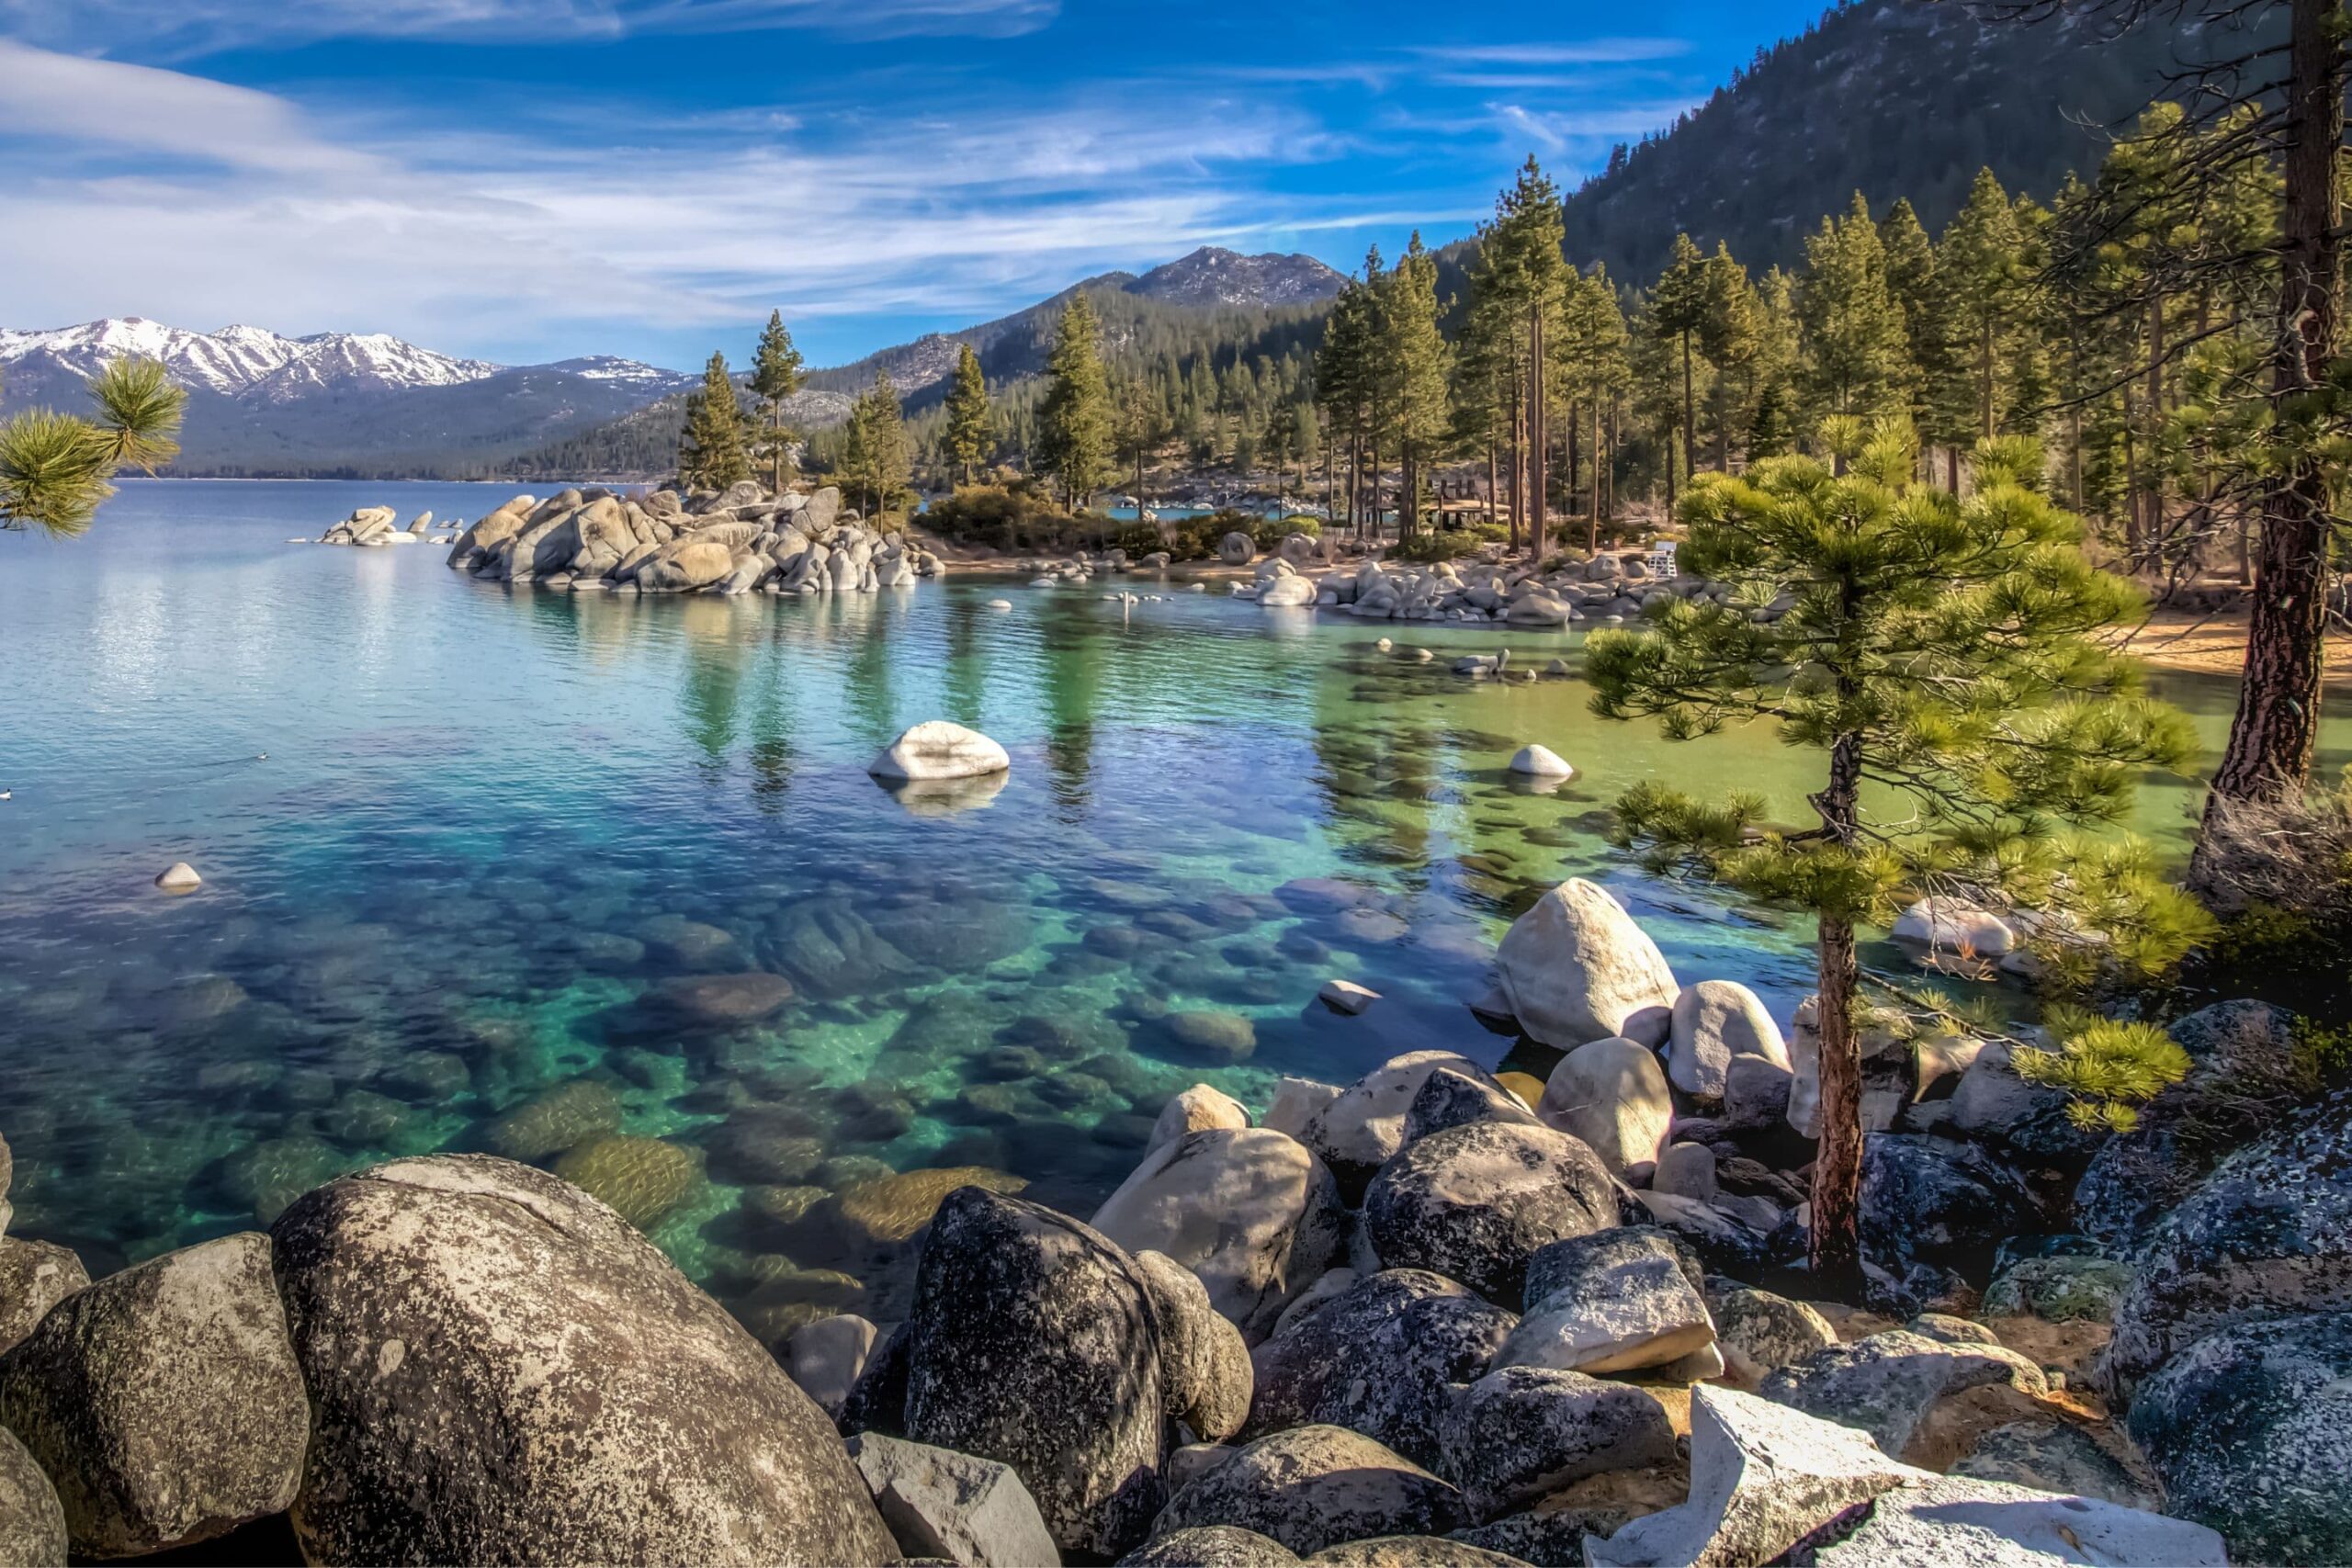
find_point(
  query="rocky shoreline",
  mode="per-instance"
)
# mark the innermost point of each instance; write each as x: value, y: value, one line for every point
x: 1437, y: 1316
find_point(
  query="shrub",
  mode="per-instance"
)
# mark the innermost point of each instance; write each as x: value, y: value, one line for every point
x: 2105, y: 1065
x: 1003, y: 515
x: 1137, y: 539
x: 1447, y: 545
x: 1268, y: 533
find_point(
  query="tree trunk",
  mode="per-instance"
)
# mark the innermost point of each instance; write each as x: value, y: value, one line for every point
x: 2275, y: 730
x: 1537, y: 436
x: 1951, y: 468
x: 1494, y: 485
x: 1690, y: 414
x: 1837, y: 1160
x: 1592, y: 529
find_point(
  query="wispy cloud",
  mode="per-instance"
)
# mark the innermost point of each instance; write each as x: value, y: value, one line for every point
x: 1589, y: 51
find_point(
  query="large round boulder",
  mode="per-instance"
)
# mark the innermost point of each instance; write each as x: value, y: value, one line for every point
x: 1246, y: 1209
x: 2251, y: 1431
x: 1935, y: 1201
x: 1713, y: 1023
x: 1360, y: 1128
x: 1474, y: 1202
x: 1519, y: 1434
x: 164, y: 1402
x: 1033, y: 1341
x: 1317, y: 1486
x: 501, y: 1369
x: 938, y: 750
x: 1204, y: 1365
x: 1575, y: 968
x: 1611, y: 1095
x: 32, y: 1526
x: 1382, y: 1356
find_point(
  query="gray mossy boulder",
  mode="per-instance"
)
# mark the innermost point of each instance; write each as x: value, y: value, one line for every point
x: 1210, y: 1546
x: 1519, y: 1434
x: 1612, y: 1095
x: 1575, y: 968
x: 1033, y: 1341
x: 967, y: 1510
x: 2062, y: 1288
x: 2244, y: 1067
x: 164, y: 1402
x: 1248, y: 1210
x: 1760, y: 1331
x: 1361, y: 1128
x: 1413, y: 1551
x: 1449, y: 1099
x: 1887, y: 1384
x: 1315, y: 1486
x: 1933, y: 1200
x: 1204, y: 1364
x: 1953, y: 1521
x: 2053, y: 1455
x: 2269, y: 1234
x: 34, y: 1277
x: 2250, y: 1429
x: 1475, y: 1202
x: 1383, y: 1357
x: 1600, y: 1505
x: 1762, y: 1478
x: 32, y: 1524
x: 1615, y: 1301
x: 1714, y: 1021
x: 501, y: 1369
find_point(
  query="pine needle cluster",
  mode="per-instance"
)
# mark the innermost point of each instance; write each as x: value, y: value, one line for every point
x: 54, y: 467
x: 2106, y: 1067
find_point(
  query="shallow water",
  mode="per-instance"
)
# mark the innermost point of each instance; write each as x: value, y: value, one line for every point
x: 464, y: 848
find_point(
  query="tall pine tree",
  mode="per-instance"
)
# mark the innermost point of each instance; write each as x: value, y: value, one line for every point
x: 1074, y: 435
x: 777, y: 374
x: 1855, y: 350
x: 710, y: 452
x: 968, y: 430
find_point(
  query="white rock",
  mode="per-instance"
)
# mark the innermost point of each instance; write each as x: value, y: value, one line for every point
x: 1346, y: 996
x: 1541, y: 762
x: 938, y: 750
x: 956, y: 1506
x: 1714, y: 1021
x: 1287, y: 592
x: 1294, y: 1104
x: 1383, y: 644
x: 1611, y: 1094
x: 1577, y: 968
x: 179, y: 877
x: 1000, y: 604
x: 1196, y: 1109
x: 825, y: 1357
x: 1953, y: 1521
x: 1951, y: 925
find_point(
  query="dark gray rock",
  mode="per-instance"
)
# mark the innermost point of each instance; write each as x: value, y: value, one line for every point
x: 1930, y: 1200
x: 967, y: 1510
x: 1601, y: 1504
x: 1204, y: 1364
x: 1315, y: 1486
x: 2060, y: 1287
x: 1383, y: 1357
x: 1412, y: 1551
x: 1758, y: 1332
x: 1615, y: 1301
x: 877, y: 1400
x: 2245, y: 1074
x: 1210, y: 1546
x: 32, y: 1526
x: 34, y: 1277
x: 1474, y: 1202
x: 2250, y: 1430
x: 1450, y: 1098
x: 503, y: 1370
x: 2054, y: 1456
x: 1887, y: 1383
x: 1521, y: 1433
x: 164, y: 1402
x: 1033, y: 1341
x: 2270, y: 1234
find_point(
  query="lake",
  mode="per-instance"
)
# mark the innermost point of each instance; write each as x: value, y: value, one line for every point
x: 463, y: 846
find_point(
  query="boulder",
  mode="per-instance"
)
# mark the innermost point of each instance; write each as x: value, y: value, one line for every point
x: 1033, y: 1341
x: 501, y: 1368
x: 1757, y: 1092
x: 1760, y: 1331
x: 1426, y: 1335
x: 1762, y: 1477
x: 953, y: 1507
x: 32, y: 1524
x: 688, y: 562
x: 34, y: 1277
x: 1993, y: 1104
x: 1448, y: 1099
x: 2244, y: 1066
x: 1615, y: 1301
x: 164, y: 1402
x: 1932, y: 1201
x: 1287, y: 592
x: 2050, y: 1454
x: 1687, y: 1170
x: 1612, y: 1096
x: 1218, y: 1038
x: 1887, y: 1383
x: 1413, y: 1551
x: 1362, y: 1126
x: 2060, y: 1287
x: 1541, y: 763
x: 1197, y: 1110
x: 938, y: 750
x: 2250, y: 1429
x: 2269, y: 1234
x: 1317, y: 1486
x: 1953, y: 925
x: 1713, y: 1023
x: 1346, y: 996
x: 825, y: 1357
x: 1474, y: 1202
x: 1294, y: 1103
x: 179, y: 877
x: 1204, y: 1364
x: 1575, y: 968
x: 1210, y: 1546
x: 1940, y: 1521
x: 1236, y: 549
x: 1519, y: 1434
x: 1247, y: 1210
x: 1600, y: 1505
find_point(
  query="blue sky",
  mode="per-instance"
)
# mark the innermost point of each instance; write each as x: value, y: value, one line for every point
x: 525, y: 180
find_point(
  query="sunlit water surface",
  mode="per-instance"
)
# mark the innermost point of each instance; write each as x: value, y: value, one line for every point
x: 460, y: 844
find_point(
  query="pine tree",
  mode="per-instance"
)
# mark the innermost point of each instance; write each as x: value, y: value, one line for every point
x: 777, y: 374
x: 1137, y: 427
x: 1677, y: 310
x: 1911, y: 280
x: 1939, y: 655
x: 710, y: 453
x: 1730, y: 337
x: 1074, y: 423
x: 968, y: 433
x: 875, y: 459
x: 1416, y: 361
x: 1592, y: 350
x: 1985, y: 282
x: 1856, y: 357
x: 54, y: 467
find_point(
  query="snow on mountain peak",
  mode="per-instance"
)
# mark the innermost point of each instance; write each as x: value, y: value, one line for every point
x: 238, y: 360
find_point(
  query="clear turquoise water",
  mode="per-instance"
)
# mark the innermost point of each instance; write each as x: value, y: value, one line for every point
x: 448, y: 888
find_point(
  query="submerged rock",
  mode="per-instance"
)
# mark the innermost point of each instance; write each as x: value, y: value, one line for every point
x: 503, y: 1370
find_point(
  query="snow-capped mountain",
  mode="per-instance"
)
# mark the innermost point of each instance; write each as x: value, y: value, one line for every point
x: 363, y: 402
x: 1214, y: 276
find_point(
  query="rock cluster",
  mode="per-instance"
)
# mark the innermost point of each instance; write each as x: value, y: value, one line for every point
x: 736, y: 542
x: 1606, y: 590
x: 371, y: 527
